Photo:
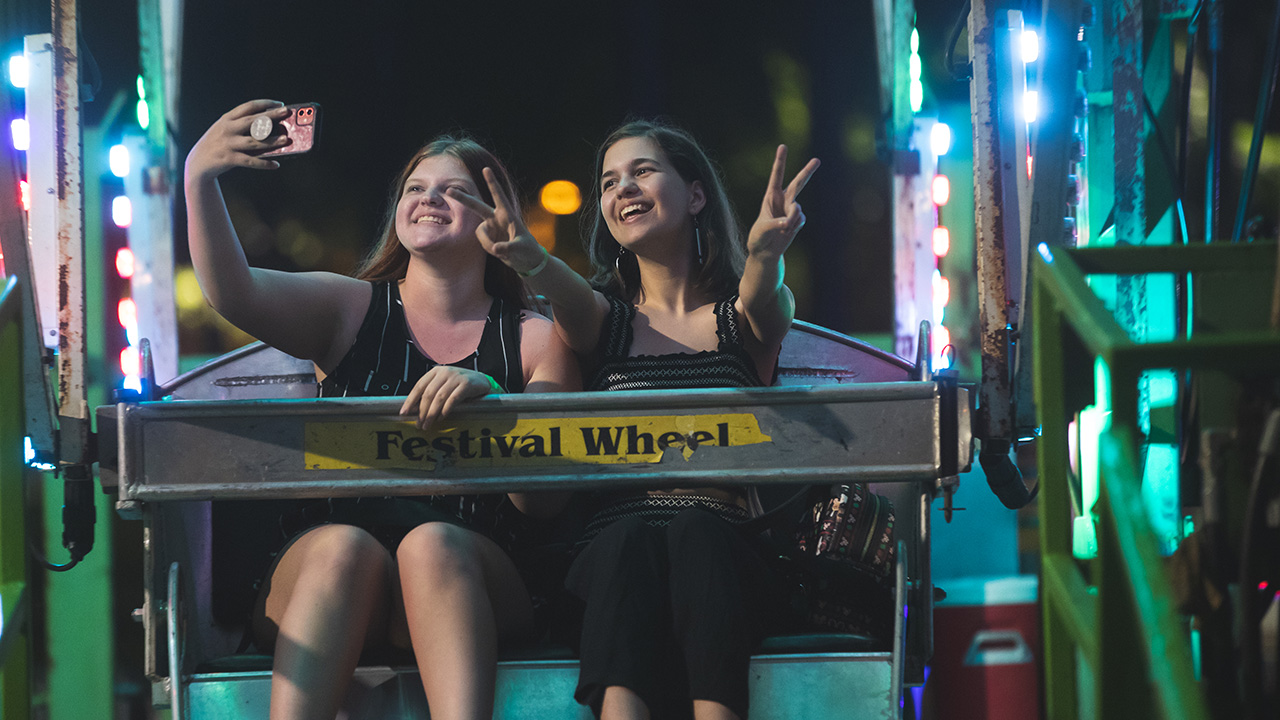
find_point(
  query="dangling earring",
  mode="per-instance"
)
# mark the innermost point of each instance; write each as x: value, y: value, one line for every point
x: 699, y: 251
x: 617, y: 260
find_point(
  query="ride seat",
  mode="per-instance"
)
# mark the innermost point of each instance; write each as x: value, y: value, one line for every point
x: 795, y: 675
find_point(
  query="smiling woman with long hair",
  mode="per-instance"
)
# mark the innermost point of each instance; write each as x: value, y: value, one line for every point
x: 675, y: 596
x: 432, y: 317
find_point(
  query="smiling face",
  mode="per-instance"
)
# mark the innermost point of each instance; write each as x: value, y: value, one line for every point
x: 643, y: 196
x: 425, y: 215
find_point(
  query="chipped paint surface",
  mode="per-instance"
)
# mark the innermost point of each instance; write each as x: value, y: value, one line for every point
x: 73, y: 408
x: 1123, y: 24
x: 1123, y: 20
x: 993, y: 416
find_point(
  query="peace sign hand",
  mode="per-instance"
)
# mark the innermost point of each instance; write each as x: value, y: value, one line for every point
x: 502, y: 233
x: 780, y: 215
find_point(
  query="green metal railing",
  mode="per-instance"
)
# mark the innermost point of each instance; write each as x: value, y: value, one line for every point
x: 1115, y: 613
x: 14, y: 689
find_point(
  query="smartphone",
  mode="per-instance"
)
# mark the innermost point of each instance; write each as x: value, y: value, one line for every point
x: 302, y: 126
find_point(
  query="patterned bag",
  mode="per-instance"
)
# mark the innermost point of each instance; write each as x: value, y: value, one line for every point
x: 845, y: 550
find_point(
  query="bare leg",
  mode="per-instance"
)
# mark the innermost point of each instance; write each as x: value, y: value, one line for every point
x: 461, y: 593
x: 327, y: 597
x: 621, y: 704
x: 710, y: 710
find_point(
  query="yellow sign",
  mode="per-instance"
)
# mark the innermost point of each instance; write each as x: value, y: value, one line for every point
x: 532, y: 442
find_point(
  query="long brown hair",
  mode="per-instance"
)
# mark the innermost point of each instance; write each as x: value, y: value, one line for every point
x: 616, y: 272
x: 389, y: 260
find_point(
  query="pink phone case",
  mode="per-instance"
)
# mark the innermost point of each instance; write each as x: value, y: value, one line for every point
x: 302, y: 126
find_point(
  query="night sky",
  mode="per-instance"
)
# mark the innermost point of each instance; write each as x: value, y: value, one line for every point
x: 541, y: 84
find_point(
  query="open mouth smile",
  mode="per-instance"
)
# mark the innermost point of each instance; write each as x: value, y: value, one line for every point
x: 632, y: 210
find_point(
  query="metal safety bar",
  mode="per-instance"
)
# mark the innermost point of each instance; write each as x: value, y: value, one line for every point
x: 240, y: 449
x: 1123, y: 624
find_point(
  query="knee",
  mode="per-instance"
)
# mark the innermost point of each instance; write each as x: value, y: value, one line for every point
x: 439, y: 550
x: 626, y: 540
x: 344, y: 554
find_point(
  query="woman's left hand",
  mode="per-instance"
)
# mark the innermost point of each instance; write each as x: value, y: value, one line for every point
x: 440, y: 389
x: 502, y: 231
x: 780, y: 215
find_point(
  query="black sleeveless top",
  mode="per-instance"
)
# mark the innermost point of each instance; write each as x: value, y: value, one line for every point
x: 729, y: 365
x: 384, y: 361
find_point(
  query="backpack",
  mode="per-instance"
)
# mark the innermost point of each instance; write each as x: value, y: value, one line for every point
x: 843, y: 552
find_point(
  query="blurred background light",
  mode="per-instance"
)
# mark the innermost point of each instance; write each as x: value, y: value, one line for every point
x: 1030, y: 46
x: 21, y: 134
x: 940, y: 139
x: 560, y: 197
x: 941, y: 189
x: 118, y: 160
x: 122, y: 211
x: 941, y: 241
x: 124, y: 262
x: 19, y: 71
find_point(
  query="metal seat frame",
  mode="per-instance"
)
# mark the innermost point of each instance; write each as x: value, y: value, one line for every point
x: 239, y: 426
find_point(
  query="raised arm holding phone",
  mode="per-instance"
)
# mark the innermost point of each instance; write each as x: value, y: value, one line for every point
x: 429, y: 316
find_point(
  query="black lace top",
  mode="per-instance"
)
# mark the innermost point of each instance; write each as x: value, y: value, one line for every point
x: 729, y: 365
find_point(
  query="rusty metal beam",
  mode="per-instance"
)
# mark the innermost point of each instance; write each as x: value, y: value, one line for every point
x: 1123, y: 27
x: 73, y: 405
x: 994, y: 410
x: 1122, y: 23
